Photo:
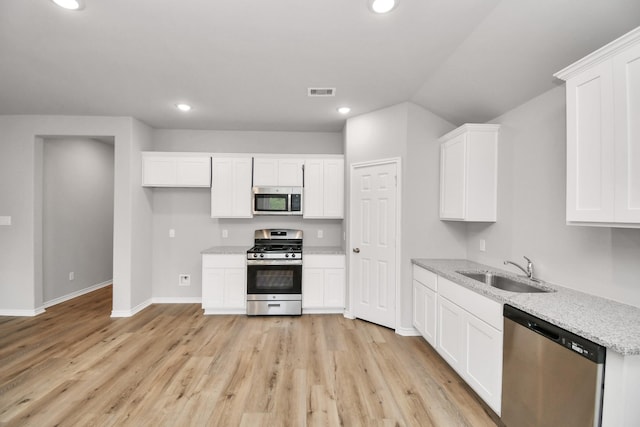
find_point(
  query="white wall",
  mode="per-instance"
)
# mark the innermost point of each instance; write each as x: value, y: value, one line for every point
x: 188, y: 210
x: 77, y: 215
x: 531, y: 211
x: 409, y: 132
x: 20, y: 196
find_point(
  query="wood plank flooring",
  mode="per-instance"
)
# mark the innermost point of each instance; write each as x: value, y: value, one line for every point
x: 170, y: 365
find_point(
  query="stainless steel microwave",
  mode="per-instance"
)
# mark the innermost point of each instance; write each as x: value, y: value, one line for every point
x: 277, y: 200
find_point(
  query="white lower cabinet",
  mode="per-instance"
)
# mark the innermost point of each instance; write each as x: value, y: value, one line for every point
x: 323, y: 284
x: 465, y: 328
x: 224, y: 280
x: 470, y: 339
x: 424, y: 303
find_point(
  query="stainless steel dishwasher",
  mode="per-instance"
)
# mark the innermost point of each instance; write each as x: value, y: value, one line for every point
x: 550, y: 377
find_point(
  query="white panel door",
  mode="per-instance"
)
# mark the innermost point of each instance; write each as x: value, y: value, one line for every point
x: 290, y: 172
x: 627, y: 97
x: 483, y: 369
x: 265, y: 172
x: 193, y: 171
x: 314, y: 188
x: 419, y: 291
x: 451, y: 340
x: 333, y: 188
x: 373, y: 239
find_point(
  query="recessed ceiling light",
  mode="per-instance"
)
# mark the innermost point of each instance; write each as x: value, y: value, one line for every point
x: 382, y: 6
x: 183, y: 107
x: 344, y: 110
x: 70, y: 4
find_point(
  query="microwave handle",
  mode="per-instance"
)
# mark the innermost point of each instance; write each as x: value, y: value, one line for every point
x: 253, y: 159
x: 303, y: 175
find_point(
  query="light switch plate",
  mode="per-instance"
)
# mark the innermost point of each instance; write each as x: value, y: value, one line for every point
x: 483, y: 245
x: 5, y: 220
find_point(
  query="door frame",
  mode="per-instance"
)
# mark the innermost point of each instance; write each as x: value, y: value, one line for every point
x: 349, y: 313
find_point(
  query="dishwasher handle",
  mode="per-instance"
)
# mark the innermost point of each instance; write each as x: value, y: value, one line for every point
x: 545, y: 332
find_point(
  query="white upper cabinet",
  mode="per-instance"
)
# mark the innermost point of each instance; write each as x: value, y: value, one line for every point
x: 231, y: 187
x: 161, y: 169
x: 603, y: 135
x: 324, y: 188
x: 270, y: 172
x: 469, y: 173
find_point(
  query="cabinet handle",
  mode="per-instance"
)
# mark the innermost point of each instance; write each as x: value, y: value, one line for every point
x: 356, y: 250
x: 273, y: 305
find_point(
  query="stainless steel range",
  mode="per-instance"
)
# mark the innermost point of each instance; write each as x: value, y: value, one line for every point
x: 274, y: 273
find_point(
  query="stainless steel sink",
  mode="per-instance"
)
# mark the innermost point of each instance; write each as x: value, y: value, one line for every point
x: 502, y: 282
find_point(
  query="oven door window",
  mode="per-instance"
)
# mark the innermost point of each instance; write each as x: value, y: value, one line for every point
x: 274, y: 279
x: 272, y: 202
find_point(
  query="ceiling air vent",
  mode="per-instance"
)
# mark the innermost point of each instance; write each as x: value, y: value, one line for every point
x: 321, y: 91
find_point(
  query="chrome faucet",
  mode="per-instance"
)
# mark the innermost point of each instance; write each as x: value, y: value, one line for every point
x: 529, y: 269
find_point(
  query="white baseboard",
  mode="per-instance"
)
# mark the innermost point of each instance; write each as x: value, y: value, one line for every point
x: 176, y: 300
x: 408, y: 332
x: 77, y: 293
x: 128, y: 313
x: 347, y: 314
x: 22, y: 313
x: 323, y: 311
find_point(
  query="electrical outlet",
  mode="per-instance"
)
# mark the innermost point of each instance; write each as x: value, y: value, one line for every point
x: 225, y: 233
x: 320, y: 234
x: 184, y: 280
x: 72, y: 275
x: 483, y: 245
x: 172, y: 233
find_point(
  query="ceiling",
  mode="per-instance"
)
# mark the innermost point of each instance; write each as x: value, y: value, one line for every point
x: 247, y: 64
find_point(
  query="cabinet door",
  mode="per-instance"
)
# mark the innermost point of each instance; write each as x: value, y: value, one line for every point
x: 212, y: 287
x: 333, y: 188
x: 312, y: 287
x: 158, y: 171
x: 419, y: 291
x: 193, y: 172
x: 590, y: 153
x: 334, y: 287
x: 451, y: 334
x: 231, y: 188
x: 430, y: 317
x: 290, y: 172
x: 313, y: 188
x: 453, y: 178
x: 265, y: 172
x: 235, y: 288
x: 626, y: 68
x: 483, y: 368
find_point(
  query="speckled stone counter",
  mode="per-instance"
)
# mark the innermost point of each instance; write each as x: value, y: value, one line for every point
x: 322, y: 250
x: 608, y: 323
x: 226, y: 250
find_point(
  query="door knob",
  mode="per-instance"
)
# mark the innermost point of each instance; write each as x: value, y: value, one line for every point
x: 356, y: 250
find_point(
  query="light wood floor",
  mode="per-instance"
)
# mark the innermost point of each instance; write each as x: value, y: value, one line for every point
x: 170, y: 365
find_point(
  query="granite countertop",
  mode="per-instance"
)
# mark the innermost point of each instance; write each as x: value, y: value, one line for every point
x: 226, y: 250
x: 608, y: 323
x: 322, y: 250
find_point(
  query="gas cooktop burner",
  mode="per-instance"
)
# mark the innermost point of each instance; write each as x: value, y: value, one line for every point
x: 276, y: 244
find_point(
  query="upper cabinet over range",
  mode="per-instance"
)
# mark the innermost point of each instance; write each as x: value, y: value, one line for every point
x: 469, y: 173
x: 603, y: 135
x: 272, y: 172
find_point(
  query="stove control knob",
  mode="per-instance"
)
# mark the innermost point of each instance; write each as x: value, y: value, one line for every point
x: 286, y: 255
x: 293, y: 255
x: 255, y: 255
x: 261, y: 255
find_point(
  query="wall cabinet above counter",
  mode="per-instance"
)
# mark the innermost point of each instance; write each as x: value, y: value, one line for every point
x: 162, y: 169
x: 469, y: 173
x: 603, y: 135
x: 231, y: 177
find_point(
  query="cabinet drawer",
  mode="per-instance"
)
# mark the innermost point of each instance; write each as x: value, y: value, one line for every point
x: 223, y: 261
x: 323, y: 261
x: 480, y: 306
x: 426, y: 277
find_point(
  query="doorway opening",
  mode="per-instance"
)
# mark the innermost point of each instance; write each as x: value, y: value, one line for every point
x: 77, y: 187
